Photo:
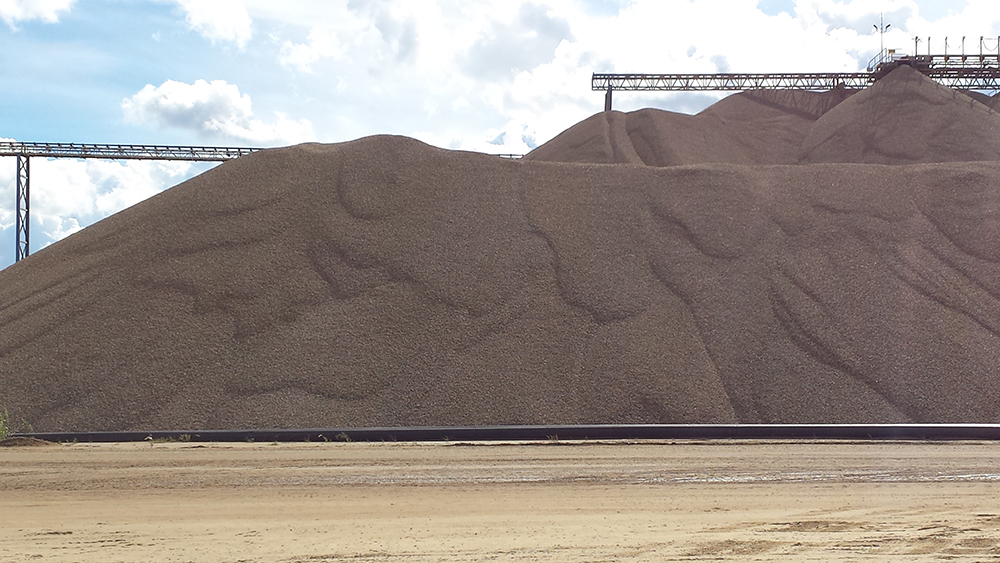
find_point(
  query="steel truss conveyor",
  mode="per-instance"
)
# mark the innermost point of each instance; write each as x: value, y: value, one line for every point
x: 959, y: 72
x: 732, y: 82
x: 24, y: 151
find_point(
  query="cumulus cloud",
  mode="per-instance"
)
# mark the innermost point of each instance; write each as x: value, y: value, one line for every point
x: 68, y: 195
x: 219, y: 20
x: 13, y: 11
x: 721, y: 63
x: 775, y: 7
x: 321, y: 43
x: 514, y: 137
x: 860, y: 18
x: 520, y: 45
x: 398, y: 33
x: 8, y: 171
x: 214, y: 110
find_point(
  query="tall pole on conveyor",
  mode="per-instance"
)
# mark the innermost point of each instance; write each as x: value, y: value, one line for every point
x: 881, y: 27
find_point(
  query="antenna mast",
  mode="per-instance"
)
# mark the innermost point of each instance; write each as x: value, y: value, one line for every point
x: 881, y: 27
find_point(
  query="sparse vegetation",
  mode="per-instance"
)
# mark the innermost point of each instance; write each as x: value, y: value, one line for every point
x: 9, y: 426
x: 342, y: 437
x: 178, y: 438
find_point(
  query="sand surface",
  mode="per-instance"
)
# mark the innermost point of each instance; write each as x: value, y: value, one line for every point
x: 719, y: 501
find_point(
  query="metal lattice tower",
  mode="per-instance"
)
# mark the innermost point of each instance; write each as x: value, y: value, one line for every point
x: 24, y: 151
x: 21, y: 208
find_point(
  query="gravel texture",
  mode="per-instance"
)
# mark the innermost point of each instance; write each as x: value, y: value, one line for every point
x: 383, y: 282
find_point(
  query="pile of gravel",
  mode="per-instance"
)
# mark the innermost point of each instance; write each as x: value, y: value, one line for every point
x: 903, y: 118
x: 384, y: 282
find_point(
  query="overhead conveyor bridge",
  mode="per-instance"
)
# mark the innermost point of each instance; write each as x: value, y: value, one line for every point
x: 959, y: 72
x: 726, y: 82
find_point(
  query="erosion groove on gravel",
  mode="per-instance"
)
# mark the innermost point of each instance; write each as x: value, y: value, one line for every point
x: 759, y: 269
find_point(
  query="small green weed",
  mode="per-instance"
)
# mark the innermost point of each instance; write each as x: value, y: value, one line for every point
x: 9, y: 426
x: 168, y: 439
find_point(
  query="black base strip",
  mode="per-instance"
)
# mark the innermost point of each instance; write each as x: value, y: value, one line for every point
x: 563, y: 432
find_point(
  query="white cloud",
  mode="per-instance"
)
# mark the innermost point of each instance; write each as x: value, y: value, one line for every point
x: 462, y: 73
x: 215, y: 110
x: 219, y: 20
x: 68, y: 195
x: 8, y: 171
x: 980, y: 17
x: 396, y: 24
x: 321, y: 43
x: 522, y: 44
x: 13, y: 11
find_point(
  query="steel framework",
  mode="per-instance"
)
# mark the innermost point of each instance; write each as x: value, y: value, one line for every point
x: 24, y: 151
x: 934, y: 62
x: 733, y: 82
x: 968, y: 78
x: 123, y: 152
x: 22, y: 227
x: 959, y: 72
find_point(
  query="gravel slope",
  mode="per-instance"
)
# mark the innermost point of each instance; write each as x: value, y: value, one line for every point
x: 386, y: 282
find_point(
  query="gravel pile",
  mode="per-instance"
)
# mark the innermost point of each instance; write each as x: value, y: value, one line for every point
x: 904, y: 118
x: 384, y: 282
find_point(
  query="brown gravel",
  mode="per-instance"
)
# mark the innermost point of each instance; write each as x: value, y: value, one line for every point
x: 762, y: 127
x: 904, y: 118
x: 386, y: 282
x: 23, y: 442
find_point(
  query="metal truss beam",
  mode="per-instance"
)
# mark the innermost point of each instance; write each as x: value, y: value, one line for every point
x: 24, y: 151
x: 968, y: 79
x: 733, y: 82
x: 123, y: 152
x: 23, y: 226
x: 960, y: 72
x: 941, y: 62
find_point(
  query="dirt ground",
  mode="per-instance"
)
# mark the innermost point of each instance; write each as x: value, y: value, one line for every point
x: 554, y: 501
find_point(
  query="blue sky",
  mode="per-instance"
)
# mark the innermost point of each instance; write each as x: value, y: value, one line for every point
x: 492, y: 75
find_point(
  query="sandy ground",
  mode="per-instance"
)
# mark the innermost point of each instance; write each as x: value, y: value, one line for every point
x: 688, y: 501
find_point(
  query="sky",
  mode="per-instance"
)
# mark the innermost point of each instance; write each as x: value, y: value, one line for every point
x: 497, y: 76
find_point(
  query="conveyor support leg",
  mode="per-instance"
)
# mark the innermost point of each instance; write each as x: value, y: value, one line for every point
x: 22, y: 206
